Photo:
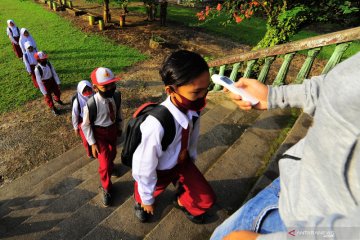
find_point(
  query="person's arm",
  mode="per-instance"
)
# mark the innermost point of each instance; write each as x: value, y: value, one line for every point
x: 39, y: 81
x: 337, y: 226
x: 75, y: 115
x: 10, y: 36
x: 27, y: 64
x: 86, y: 127
x: 194, y: 140
x: 146, y: 157
x: 21, y: 43
x: 303, y: 95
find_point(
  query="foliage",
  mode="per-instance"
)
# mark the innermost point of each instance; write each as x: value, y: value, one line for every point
x: 284, y: 17
x: 74, y: 55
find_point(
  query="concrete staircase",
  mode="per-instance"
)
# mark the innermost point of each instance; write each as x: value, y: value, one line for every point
x: 61, y: 200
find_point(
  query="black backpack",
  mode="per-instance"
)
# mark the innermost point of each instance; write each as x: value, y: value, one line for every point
x: 40, y: 69
x: 133, y: 132
x: 91, y: 104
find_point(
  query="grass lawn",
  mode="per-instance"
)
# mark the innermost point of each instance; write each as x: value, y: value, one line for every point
x: 73, y: 53
x: 249, y: 32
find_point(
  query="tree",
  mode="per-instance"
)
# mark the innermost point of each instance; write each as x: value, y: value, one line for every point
x: 283, y: 17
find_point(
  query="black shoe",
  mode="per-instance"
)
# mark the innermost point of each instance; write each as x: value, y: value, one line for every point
x: 106, y: 197
x: 140, y: 213
x: 55, y: 111
x: 60, y: 102
x: 115, y: 172
x: 195, y: 219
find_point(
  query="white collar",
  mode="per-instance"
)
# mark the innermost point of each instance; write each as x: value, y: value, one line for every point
x: 180, y: 117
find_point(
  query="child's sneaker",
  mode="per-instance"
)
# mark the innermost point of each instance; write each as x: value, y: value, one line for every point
x: 140, y: 213
x: 55, y: 111
x: 106, y: 197
x: 60, y: 102
x: 195, y: 219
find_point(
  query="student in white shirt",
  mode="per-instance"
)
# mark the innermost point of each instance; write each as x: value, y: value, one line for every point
x: 14, y: 35
x: 84, y: 92
x: 48, y: 81
x: 101, y: 133
x: 25, y: 36
x: 186, y: 78
x: 30, y: 62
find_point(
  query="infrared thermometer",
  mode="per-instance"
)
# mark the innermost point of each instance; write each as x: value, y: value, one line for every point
x: 229, y: 84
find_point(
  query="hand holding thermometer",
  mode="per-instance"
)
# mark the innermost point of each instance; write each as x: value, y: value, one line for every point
x: 229, y: 84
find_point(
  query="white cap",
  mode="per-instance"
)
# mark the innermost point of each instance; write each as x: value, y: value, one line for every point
x: 102, y: 76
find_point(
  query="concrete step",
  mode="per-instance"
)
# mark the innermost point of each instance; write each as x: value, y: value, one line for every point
x: 57, y: 181
x: 57, y: 210
x: 47, y: 192
x: 297, y: 132
x: 231, y: 177
x: 122, y: 224
x: 30, y: 179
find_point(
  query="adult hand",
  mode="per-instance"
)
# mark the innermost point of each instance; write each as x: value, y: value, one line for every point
x: 256, y: 89
x: 95, y: 150
x: 148, y: 208
x: 241, y: 235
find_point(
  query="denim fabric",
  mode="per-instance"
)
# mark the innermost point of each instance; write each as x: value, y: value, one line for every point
x: 260, y: 214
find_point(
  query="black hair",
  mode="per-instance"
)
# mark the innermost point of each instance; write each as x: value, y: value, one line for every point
x: 181, y: 67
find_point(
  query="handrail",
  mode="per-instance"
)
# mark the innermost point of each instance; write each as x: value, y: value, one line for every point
x: 309, y: 43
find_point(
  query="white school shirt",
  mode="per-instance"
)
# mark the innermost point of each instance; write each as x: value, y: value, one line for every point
x: 149, y: 157
x: 102, y: 118
x: 47, y: 74
x: 29, y: 59
x: 15, y: 33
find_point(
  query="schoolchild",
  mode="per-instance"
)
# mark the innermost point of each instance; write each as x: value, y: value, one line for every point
x: 14, y: 35
x: 48, y: 81
x: 25, y: 36
x: 79, y: 100
x: 186, y: 78
x: 102, y: 124
x: 30, y: 62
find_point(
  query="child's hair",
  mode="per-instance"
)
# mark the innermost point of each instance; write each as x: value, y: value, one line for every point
x: 181, y: 67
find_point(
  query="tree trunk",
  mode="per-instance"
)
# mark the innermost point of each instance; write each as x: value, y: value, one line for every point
x: 106, y: 13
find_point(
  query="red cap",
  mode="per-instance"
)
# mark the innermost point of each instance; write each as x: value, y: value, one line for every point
x: 40, y: 56
x: 102, y: 76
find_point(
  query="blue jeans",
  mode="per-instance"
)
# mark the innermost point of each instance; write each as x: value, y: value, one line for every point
x: 260, y: 214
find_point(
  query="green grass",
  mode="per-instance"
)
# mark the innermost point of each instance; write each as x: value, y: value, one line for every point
x: 249, y: 32
x: 73, y: 53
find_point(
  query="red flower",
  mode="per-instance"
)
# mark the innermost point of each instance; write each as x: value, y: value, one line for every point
x: 238, y: 19
x: 218, y: 7
x: 201, y: 15
x: 207, y: 10
x: 255, y: 3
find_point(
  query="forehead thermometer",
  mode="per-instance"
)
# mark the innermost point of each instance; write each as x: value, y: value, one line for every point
x: 229, y: 84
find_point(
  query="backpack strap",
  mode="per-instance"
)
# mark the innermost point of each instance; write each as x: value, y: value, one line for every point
x: 164, y: 116
x: 91, y: 104
x: 11, y: 32
x: 117, y: 99
x: 27, y: 58
x: 40, y: 70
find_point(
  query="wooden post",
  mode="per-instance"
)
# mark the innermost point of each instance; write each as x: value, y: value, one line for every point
x: 336, y: 56
x: 69, y: 3
x: 122, y: 21
x: 50, y: 4
x: 101, y: 25
x: 306, y: 67
x: 280, y: 77
x: 91, y: 20
x: 218, y: 87
x: 54, y: 6
x: 265, y: 69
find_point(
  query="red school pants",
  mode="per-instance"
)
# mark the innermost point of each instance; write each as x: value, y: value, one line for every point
x: 51, y: 87
x: 33, y: 77
x: 84, y: 141
x: 105, y: 138
x: 197, y: 195
x: 16, y: 48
